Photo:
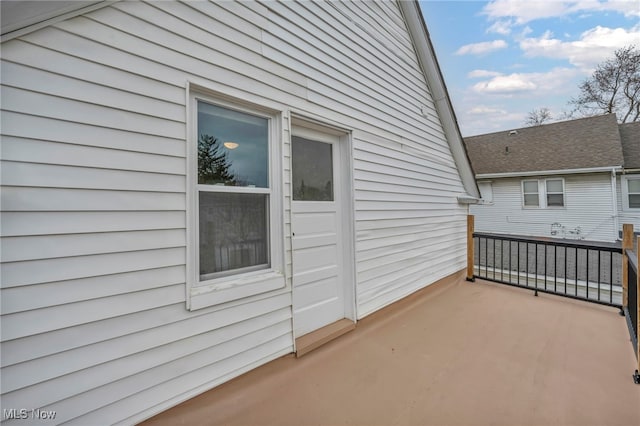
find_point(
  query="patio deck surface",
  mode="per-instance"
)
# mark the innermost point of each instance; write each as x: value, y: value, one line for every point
x: 456, y: 353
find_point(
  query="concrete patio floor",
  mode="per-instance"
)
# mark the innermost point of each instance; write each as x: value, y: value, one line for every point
x: 456, y: 353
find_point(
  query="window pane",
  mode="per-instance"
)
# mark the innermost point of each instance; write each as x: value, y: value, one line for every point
x: 555, y: 200
x: 531, y: 186
x: 634, y: 201
x: 634, y: 185
x: 233, y: 231
x: 312, y: 168
x: 531, y: 200
x: 554, y: 185
x: 233, y: 147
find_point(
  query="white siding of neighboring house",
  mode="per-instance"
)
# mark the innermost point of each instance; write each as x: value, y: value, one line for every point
x: 626, y: 215
x: 588, y: 205
x: 94, y: 323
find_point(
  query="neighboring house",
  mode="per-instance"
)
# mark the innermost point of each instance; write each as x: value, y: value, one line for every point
x: 561, y: 180
x: 628, y: 183
x: 189, y: 187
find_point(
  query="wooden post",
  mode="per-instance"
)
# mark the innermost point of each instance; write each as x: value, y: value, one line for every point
x: 627, y: 243
x: 470, y: 268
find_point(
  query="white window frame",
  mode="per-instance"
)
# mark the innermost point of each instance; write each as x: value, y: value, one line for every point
x: 245, y: 282
x: 546, y: 193
x: 523, y: 193
x: 542, y: 193
x: 624, y: 183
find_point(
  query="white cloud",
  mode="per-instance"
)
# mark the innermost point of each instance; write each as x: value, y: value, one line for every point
x: 483, y: 74
x: 593, y: 47
x: 483, y: 110
x: 481, y: 48
x: 502, y: 27
x: 527, y: 83
x: 522, y: 12
x: 506, y: 84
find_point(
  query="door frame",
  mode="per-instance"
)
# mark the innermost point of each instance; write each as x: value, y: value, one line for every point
x: 347, y: 214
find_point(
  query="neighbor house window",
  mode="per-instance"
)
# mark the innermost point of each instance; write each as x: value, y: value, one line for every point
x: 633, y: 193
x: 234, y: 214
x: 555, y: 192
x: 543, y: 193
x: 531, y: 197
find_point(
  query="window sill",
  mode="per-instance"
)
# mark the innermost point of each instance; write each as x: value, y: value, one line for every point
x: 243, y: 286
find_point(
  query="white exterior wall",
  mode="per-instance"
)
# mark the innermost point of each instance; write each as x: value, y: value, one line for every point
x: 94, y: 323
x: 588, y: 205
x: 626, y: 215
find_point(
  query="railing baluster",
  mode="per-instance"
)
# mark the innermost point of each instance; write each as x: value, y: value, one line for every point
x: 555, y: 268
x: 587, y: 273
x: 610, y: 277
x: 599, y: 260
x: 494, y: 259
x: 576, y: 283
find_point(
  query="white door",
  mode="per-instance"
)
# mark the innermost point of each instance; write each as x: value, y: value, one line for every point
x: 318, y: 264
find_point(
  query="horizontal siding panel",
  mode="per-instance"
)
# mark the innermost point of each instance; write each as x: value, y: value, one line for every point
x: 57, y: 199
x: 68, y: 268
x: 37, y: 296
x: 370, y: 227
x: 55, y: 176
x: 87, y: 397
x: 47, y: 152
x: 134, y: 355
x: 19, y: 51
x: 147, y: 326
x: 437, y: 157
x: 42, y: 320
x: 413, y: 271
x: 352, y: 39
x: 205, y: 378
x: 23, y: 77
x: 425, y: 215
x: 368, y: 172
x: 186, y: 38
x: 16, y: 249
x: 48, y: 129
x: 26, y: 102
x: 110, y: 56
x: 393, y: 294
x: 15, y: 224
x: 176, y: 55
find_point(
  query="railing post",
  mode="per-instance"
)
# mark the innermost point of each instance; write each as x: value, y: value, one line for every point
x: 627, y: 243
x: 470, y: 255
x: 636, y: 376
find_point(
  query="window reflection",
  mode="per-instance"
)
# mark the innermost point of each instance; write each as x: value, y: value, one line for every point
x: 233, y: 147
x: 312, y: 170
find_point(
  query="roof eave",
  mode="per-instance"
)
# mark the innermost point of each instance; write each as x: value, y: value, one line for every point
x: 603, y: 169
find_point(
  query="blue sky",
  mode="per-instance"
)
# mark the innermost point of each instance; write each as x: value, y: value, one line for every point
x: 502, y: 59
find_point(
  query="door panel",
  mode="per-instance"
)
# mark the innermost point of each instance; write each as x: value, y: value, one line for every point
x: 318, y: 276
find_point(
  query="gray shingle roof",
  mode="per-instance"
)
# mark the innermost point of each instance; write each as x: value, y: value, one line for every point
x: 584, y: 143
x: 630, y: 136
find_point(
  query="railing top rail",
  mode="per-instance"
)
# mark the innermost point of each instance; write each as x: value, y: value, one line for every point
x: 633, y: 259
x: 593, y: 245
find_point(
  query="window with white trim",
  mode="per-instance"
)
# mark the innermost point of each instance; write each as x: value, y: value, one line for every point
x: 631, y: 191
x: 543, y: 193
x: 530, y: 194
x: 234, y: 222
x: 555, y: 192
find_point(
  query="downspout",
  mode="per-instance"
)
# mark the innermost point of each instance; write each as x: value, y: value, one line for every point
x: 614, y: 197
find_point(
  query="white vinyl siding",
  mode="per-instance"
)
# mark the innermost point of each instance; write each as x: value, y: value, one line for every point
x: 625, y: 214
x: 94, y: 323
x: 587, y: 212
